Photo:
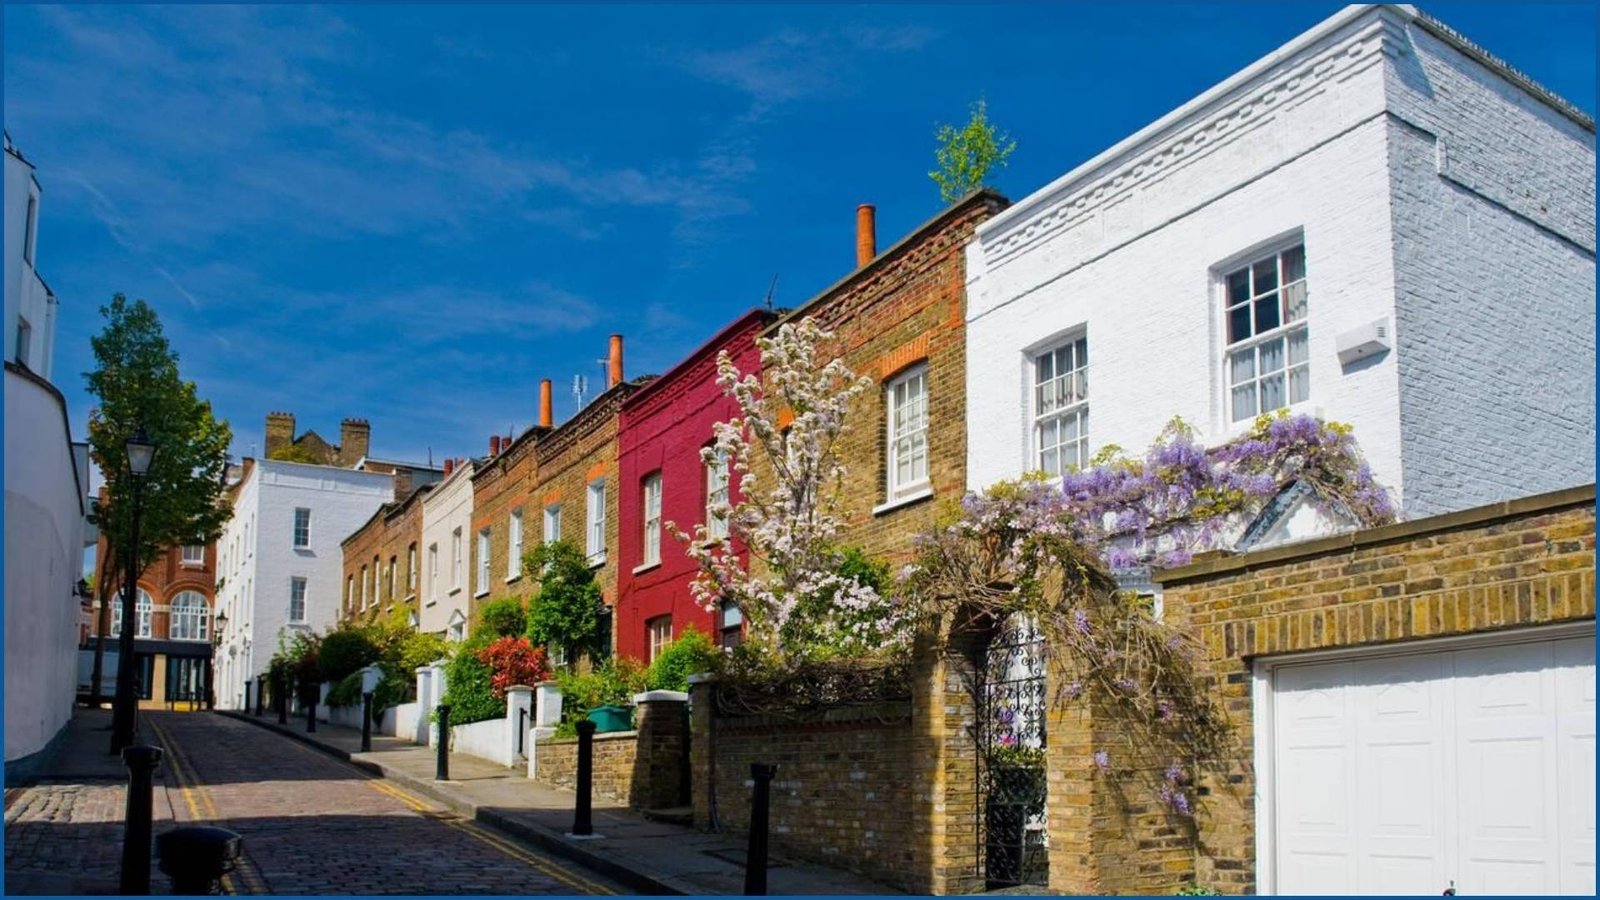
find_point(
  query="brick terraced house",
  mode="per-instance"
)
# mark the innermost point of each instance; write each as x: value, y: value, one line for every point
x: 382, y: 561
x: 505, y: 518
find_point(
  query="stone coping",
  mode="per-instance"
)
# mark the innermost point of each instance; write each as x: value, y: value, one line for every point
x: 1480, y: 515
x: 602, y: 736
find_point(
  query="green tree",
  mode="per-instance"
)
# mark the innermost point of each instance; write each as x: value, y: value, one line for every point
x: 966, y: 155
x: 565, y: 613
x: 136, y: 384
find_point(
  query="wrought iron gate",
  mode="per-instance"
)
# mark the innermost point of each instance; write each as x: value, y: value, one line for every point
x: 1012, y: 829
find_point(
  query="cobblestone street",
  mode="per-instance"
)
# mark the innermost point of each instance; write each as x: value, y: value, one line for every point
x: 311, y: 825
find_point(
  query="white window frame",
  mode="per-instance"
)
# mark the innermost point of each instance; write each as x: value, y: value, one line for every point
x: 143, y: 611
x: 552, y: 523
x: 394, y: 563
x: 659, y: 632
x: 455, y: 559
x: 595, y: 522
x: 903, y: 435
x: 297, y: 584
x: 302, y: 528
x: 717, y: 495
x: 366, y: 588
x: 1061, y: 400
x: 651, y: 554
x: 433, y: 574
x: 483, y: 561
x: 350, y: 593
x: 411, y: 568
x: 514, y: 545
x: 24, y: 339
x: 1283, y: 335
x: 189, y: 621
x: 197, y: 558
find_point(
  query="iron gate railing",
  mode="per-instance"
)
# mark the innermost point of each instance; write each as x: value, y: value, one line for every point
x: 1011, y: 724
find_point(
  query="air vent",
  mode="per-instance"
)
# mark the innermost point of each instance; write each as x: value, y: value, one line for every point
x: 1366, y: 341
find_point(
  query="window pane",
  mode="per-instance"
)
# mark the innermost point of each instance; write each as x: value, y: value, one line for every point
x: 1299, y: 384
x: 1299, y: 347
x: 1271, y: 356
x: 1045, y: 401
x: 1048, y: 431
x: 1294, y: 302
x: 1242, y: 366
x: 1044, y: 368
x: 1238, y: 287
x: 1294, y: 264
x: 1083, y: 352
x: 1238, y: 323
x: 1244, y: 402
x: 1267, y: 313
x: 1069, y: 429
x: 1049, y: 461
x: 1265, y: 276
x: 1272, y: 393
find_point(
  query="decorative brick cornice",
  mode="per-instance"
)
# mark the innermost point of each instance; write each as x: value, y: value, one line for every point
x: 588, y: 420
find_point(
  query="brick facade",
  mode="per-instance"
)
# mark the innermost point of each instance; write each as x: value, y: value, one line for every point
x: 614, y: 762
x: 504, y: 483
x: 1509, y: 565
x: 662, y: 429
x: 579, y: 452
x: 163, y: 580
x: 393, y: 534
x: 903, y: 308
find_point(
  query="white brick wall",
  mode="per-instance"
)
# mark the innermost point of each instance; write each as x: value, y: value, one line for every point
x: 1128, y: 247
x: 1494, y: 248
x: 446, y: 508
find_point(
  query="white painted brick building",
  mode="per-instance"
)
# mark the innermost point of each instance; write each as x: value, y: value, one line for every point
x: 279, y: 560
x: 1376, y: 172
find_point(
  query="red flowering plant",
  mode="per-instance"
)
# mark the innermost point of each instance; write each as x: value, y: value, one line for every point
x: 514, y: 660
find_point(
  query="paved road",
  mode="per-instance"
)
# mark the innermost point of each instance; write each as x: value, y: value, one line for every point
x: 316, y: 825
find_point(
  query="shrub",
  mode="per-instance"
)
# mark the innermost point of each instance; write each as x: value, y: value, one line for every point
x: 502, y: 618
x: 565, y: 613
x: 513, y: 660
x: 347, y: 692
x: 612, y: 683
x: 468, y: 684
x: 1196, y: 890
x: 345, y: 651
x: 691, y: 654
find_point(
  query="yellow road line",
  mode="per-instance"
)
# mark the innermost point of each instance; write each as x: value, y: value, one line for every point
x: 471, y: 828
x: 186, y: 775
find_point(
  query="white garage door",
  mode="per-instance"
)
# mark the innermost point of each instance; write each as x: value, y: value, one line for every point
x: 1404, y: 774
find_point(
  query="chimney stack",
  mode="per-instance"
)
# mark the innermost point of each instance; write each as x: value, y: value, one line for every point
x: 494, y: 445
x: 546, y: 413
x: 616, y: 361
x: 449, y: 466
x: 866, y: 234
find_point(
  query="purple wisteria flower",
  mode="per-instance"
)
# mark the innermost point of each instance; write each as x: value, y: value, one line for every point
x: 1103, y: 760
x: 1080, y: 620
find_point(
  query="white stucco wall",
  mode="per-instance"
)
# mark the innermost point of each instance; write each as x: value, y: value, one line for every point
x: 446, y: 508
x: 1494, y: 236
x: 25, y: 293
x: 340, y: 500
x: 1130, y: 247
x: 44, y: 559
x: 1477, y: 254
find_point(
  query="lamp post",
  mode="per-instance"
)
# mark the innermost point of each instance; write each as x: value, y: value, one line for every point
x: 211, y: 664
x: 141, y: 450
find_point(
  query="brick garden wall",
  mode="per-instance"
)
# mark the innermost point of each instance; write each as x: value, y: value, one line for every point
x: 1508, y: 565
x: 614, y: 759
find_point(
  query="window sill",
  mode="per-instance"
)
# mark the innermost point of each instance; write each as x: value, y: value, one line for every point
x: 482, y: 593
x: 191, y: 565
x: 596, y: 562
x: 452, y: 592
x: 647, y: 567
x: 431, y: 603
x: 511, y: 578
x: 919, y: 495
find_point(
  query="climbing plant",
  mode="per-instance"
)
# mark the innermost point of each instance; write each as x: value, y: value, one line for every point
x: 1049, y: 552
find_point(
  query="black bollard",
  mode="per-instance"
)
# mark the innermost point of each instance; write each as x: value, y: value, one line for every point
x: 281, y: 694
x: 582, y: 820
x: 311, y: 718
x: 261, y: 696
x: 755, y: 857
x: 366, y: 722
x: 141, y: 763
x: 197, y: 857
x: 441, y: 768
x: 522, y: 731
x: 247, y: 696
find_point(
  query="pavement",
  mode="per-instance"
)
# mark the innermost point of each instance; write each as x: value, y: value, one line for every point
x: 646, y: 856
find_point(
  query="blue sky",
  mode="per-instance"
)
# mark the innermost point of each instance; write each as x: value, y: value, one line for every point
x: 414, y: 213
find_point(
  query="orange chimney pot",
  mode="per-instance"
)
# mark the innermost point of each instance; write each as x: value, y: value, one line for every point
x: 546, y: 413
x: 616, y: 360
x: 866, y: 234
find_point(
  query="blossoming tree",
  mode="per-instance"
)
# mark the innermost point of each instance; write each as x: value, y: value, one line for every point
x: 800, y: 587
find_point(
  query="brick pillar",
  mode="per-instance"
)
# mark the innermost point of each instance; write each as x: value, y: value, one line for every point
x: 702, y: 762
x: 945, y: 717
x: 660, y: 772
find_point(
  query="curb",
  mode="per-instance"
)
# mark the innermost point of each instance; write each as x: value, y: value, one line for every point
x: 545, y: 838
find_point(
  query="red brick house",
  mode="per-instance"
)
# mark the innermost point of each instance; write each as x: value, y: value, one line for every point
x: 661, y: 478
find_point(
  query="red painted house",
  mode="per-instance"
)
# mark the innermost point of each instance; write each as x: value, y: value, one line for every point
x: 661, y: 430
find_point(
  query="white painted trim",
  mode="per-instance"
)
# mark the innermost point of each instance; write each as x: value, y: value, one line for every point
x: 907, y: 500
x: 1264, y: 670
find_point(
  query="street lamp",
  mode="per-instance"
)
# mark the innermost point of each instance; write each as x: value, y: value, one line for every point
x: 141, y: 450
